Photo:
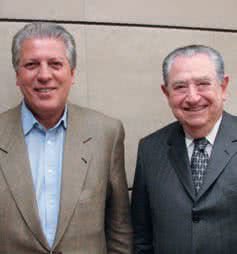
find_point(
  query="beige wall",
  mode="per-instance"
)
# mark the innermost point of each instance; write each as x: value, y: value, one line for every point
x: 119, y: 65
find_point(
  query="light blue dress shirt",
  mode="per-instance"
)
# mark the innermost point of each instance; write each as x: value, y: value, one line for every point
x: 45, y: 151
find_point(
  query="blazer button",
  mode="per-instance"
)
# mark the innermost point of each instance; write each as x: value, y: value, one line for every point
x: 195, y: 218
x: 56, y: 252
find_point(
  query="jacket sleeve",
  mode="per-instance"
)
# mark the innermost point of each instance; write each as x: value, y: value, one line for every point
x: 141, y: 213
x: 117, y: 220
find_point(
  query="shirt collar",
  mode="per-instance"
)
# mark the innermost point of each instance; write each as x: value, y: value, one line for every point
x: 29, y: 121
x: 210, y: 137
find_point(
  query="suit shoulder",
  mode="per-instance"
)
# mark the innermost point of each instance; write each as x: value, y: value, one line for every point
x: 94, y: 117
x: 9, y: 116
x: 229, y: 117
x: 9, y: 121
x: 228, y: 124
x: 161, y: 135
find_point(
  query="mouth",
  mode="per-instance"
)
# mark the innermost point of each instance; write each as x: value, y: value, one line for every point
x: 44, y: 90
x: 195, y: 109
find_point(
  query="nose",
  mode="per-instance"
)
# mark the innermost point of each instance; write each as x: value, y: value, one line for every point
x: 44, y: 73
x: 193, y: 95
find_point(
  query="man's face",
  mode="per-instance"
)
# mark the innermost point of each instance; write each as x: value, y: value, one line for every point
x: 194, y: 93
x: 44, y: 75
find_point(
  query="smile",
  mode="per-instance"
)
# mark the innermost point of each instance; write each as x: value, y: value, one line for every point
x: 195, y: 109
x: 44, y: 90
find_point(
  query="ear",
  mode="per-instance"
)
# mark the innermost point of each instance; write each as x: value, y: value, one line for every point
x: 224, y: 86
x: 17, y: 79
x: 73, y: 73
x: 165, y: 91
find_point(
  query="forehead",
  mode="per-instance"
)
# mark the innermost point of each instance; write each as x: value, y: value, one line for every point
x: 188, y: 67
x: 42, y: 46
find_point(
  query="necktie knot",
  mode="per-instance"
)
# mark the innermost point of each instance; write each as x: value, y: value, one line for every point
x: 200, y: 144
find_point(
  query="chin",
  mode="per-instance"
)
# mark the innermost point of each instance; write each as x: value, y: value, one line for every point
x: 46, y: 108
x: 196, y: 124
x: 194, y: 121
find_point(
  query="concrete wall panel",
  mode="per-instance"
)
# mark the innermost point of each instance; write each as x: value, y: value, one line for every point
x: 215, y: 14
x: 9, y: 94
x: 227, y: 44
x: 124, y: 75
x: 119, y: 73
x: 53, y: 9
x: 218, y: 14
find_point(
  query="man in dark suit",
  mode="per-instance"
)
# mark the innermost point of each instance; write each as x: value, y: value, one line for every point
x: 62, y: 180
x: 185, y: 188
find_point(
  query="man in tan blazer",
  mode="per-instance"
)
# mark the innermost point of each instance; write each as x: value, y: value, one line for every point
x: 62, y: 180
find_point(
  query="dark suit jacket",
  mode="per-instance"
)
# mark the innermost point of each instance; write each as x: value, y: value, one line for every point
x: 94, y: 208
x: 168, y: 218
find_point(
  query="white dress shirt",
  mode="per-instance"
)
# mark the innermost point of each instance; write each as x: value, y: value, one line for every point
x: 210, y: 137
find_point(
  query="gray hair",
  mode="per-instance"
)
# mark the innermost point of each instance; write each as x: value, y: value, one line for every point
x: 43, y: 30
x: 189, y: 51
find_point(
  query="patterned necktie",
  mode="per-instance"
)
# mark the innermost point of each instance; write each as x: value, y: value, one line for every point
x: 199, y: 162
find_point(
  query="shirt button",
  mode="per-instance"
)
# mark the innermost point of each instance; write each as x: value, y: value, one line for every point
x: 51, y: 202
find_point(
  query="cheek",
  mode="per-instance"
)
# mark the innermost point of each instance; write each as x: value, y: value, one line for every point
x: 215, y: 99
x: 175, y: 101
x: 24, y: 79
x: 67, y: 83
x: 20, y: 82
x: 63, y: 79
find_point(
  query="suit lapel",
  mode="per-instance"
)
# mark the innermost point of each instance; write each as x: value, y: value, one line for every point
x: 179, y: 159
x: 16, y: 169
x: 76, y: 160
x: 225, y: 147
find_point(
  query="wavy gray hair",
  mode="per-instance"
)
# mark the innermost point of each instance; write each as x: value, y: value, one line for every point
x: 192, y: 50
x: 43, y: 30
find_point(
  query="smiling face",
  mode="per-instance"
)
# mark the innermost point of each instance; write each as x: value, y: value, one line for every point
x: 194, y: 93
x: 44, y: 77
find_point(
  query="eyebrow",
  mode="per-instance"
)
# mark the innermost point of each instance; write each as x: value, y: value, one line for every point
x: 57, y: 58
x: 202, y: 78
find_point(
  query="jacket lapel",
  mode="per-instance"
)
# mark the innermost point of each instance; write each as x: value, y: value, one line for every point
x: 76, y: 160
x: 16, y: 169
x: 225, y: 147
x: 179, y: 159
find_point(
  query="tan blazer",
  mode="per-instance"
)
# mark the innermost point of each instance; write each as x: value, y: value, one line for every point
x: 94, y: 208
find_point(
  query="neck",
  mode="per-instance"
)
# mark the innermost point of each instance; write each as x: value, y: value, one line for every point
x: 46, y: 118
x: 49, y: 120
x: 203, y: 130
